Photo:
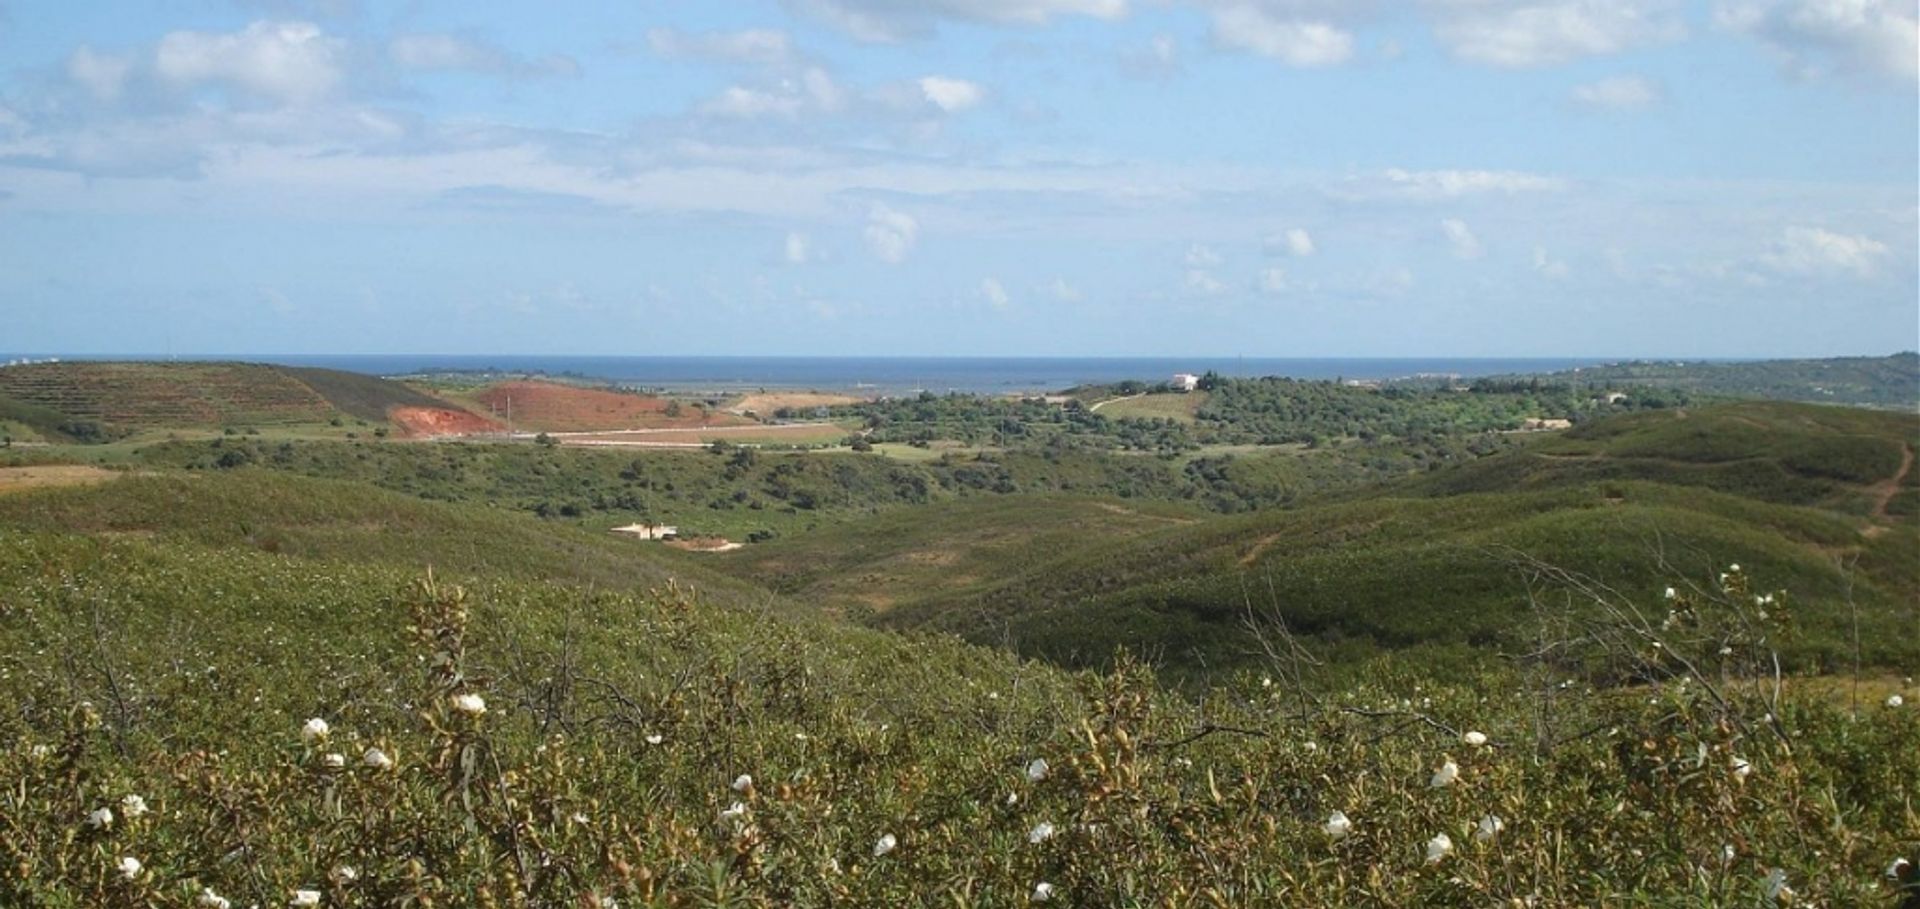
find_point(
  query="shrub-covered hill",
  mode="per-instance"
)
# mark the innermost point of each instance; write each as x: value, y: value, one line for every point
x: 1442, y: 559
x: 192, y: 725
x: 89, y: 400
x: 354, y: 523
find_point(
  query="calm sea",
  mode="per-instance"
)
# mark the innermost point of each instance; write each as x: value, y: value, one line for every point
x: 896, y: 375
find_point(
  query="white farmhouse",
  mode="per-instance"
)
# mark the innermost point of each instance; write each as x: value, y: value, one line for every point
x: 649, y: 531
x: 1185, y: 381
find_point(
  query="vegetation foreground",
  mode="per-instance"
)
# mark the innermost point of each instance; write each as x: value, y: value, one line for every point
x: 392, y: 743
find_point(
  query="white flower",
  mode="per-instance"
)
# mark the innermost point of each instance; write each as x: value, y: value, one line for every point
x: 333, y: 760
x: 132, y: 806
x: 733, y: 811
x: 1740, y: 768
x: 1777, y: 889
x: 884, y: 845
x: 1040, y: 833
x: 470, y: 704
x: 1490, y: 827
x: 1042, y: 892
x: 1013, y: 798
x: 376, y: 759
x: 1338, y: 826
x: 343, y: 874
x: 315, y: 730
x: 1894, y: 870
x: 1894, y: 700
x: 743, y: 782
x: 100, y: 818
x: 655, y: 739
x: 1671, y: 593
x: 1036, y: 770
x: 1728, y: 853
x: 607, y: 902
x: 40, y: 752
x: 305, y: 898
x: 211, y: 900
x: 1476, y: 739
x: 129, y: 868
x: 1439, y: 847
x: 1445, y: 776
x: 1735, y: 567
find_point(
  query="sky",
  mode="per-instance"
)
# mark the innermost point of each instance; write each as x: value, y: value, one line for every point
x: 1291, y: 178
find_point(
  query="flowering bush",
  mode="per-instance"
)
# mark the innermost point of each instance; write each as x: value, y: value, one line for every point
x: 622, y: 751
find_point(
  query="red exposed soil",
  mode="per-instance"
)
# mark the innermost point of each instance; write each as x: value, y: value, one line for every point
x: 552, y: 407
x: 427, y: 422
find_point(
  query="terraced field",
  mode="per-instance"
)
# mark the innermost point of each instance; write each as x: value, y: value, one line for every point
x: 166, y: 394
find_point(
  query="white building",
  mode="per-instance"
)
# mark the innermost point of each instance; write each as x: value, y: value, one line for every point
x: 1186, y: 381
x: 649, y: 531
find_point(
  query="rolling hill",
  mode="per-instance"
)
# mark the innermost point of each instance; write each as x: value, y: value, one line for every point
x: 1811, y: 498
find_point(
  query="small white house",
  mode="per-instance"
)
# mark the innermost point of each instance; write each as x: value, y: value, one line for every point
x: 1186, y: 381
x: 649, y: 531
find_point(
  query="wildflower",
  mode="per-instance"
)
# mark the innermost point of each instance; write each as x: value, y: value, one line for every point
x: 734, y: 811
x: 1439, y: 847
x: 315, y: 730
x: 1013, y: 798
x: 607, y: 902
x: 1042, y: 892
x: 1735, y: 568
x: 343, y: 874
x: 132, y: 806
x: 1728, y: 853
x: 1894, y: 700
x: 1671, y: 593
x: 1338, y: 826
x: 1777, y: 889
x: 1036, y: 770
x: 470, y: 704
x: 333, y: 760
x: 1740, y: 768
x: 655, y: 739
x: 884, y: 845
x: 1898, y: 868
x: 305, y: 898
x: 1476, y: 739
x: 1490, y: 827
x: 211, y: 900
x: 100, y: 818
x: 1040, y: 833
x: 376, y: 759
x: 743, y: 782
x: 40, y: 752
x: 1445, y: 776
x: 129, y: 868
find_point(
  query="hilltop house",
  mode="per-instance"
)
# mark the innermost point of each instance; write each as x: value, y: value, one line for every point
x: 649, y: 531
x: 1185, y: 381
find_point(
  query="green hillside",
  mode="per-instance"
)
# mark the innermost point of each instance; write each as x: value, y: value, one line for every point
x: 1790, y: 490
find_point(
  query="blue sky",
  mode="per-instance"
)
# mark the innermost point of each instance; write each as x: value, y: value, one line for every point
x: 926, y: 177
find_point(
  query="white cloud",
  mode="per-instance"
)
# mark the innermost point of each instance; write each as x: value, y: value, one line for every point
x: 1460, y: 237
x: 1527, y: 33
x: 1547, y: 265
x: 1202, y: 282
x: 1294, y: 242
x: 896, y: 20
x: 951, y: 95
x: 890, y: 234
x: 1273, y: 280
x: 288, y: 61
x: 1814, y: 250
x: 812, y: 92
x: 438, y: 51
x: 995, y: 294
x: 1453, y: 184
x: 755, y: 45
x: 1618, y: 93
x: 1281, y: 34
x: 1202, y: 256
x: 799, y: 248
x: 103, y: 75
x: 1064, y: 291
x: 1815, y: 37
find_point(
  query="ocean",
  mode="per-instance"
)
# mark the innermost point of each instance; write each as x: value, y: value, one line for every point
x: 892, y: 375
